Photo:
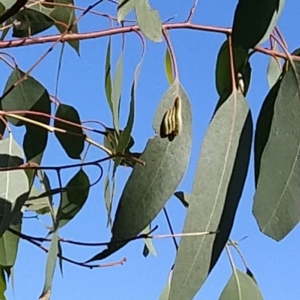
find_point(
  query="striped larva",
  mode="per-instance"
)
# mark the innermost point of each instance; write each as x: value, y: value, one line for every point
x: 178, y: 118
x: 240, y: 83
x: 172, y: 121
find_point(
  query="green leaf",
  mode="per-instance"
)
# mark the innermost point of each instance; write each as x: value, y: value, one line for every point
x: 51, y: 264
x: 14, y: 188
x: 263, y: 127
x: 9, y: 244
x: 149, y: 187
x: 111, y: 143
x: 223, y: 72
x: 148, y: 21
x: 108, y: 198
x: 125, y: 139
x: 254, y: 21
x: 234, y: 191
x: 29, y: 22
x: 34, y: 144
x: 274, y: 69
x: 6, y: 29
x: 63, y: 17
x: 2, y: 9
x: 166, y: 291
x: 122, y: 142
x: 73, y: 144
x: 47, y: 191
x: 147, y: 18
x: 168, y: 67
x: 116, y: 92
x: 2, y: 284
x: 241, y: 287
x: 39, y: 7
x: 108, y: 85
x: 2, y: 124
x: 35, y: 139
x: 206, y: 204
x: 124, y: 7
x: 74, y: 198
x: 37, y: 202
x: 125, y: 136
x: 276, y: 202
x: 28, y: 95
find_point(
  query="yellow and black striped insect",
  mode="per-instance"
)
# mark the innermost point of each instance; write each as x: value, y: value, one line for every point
x: 172, y: 121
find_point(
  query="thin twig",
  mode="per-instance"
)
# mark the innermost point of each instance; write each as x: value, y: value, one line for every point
x: 97, y: 244
x: 281, y: 37
x: 74, y: 262
x: 170, y: 228
x: 192, y: 12
x: 234, y: 245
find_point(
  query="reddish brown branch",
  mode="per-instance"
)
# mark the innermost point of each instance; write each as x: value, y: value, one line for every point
x: 101, y: 33
x: 126, y: 29
x: 74, y: 262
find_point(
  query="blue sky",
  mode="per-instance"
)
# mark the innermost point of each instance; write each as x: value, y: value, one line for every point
x: 276, y: 266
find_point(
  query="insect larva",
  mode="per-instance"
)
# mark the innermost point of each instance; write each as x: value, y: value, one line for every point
x: 178, y: 117
x: 240, y: 83
x: 166, y: 123
x: 172, y: 121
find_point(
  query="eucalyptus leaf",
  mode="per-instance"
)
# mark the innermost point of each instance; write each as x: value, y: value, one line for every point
x: 37, y: 201
x: 209, y: 193
x: 124, y: 7
x: 34, y: 143
x: 72, y: 201
x: 108, y: 198
x: 108, y: 81
x: 234, y: 191
x: 73, y: 144
x: 116, y: 92
x: 274, y: 68
x: 223, y: 71
x: 51, y: 264
x: 29, y: 95
x: 149, y: 187
x: 254, y: 21
x: 9, y: 243
x: 276, y: 201
x: 241, y: 287
x: 29, y: 22
x: 2, y: 284
x: 64, y: 16
x: 166, y: 291
x: 14, y: 188
x: 148, y: 21
x: 125, y: 141
x: 168, y: 67
x: 263, y: 126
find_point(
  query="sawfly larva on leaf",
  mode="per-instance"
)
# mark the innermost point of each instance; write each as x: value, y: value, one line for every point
x: 172, y: 121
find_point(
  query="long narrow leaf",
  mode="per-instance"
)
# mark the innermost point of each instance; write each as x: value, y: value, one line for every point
x: 206, y: 204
